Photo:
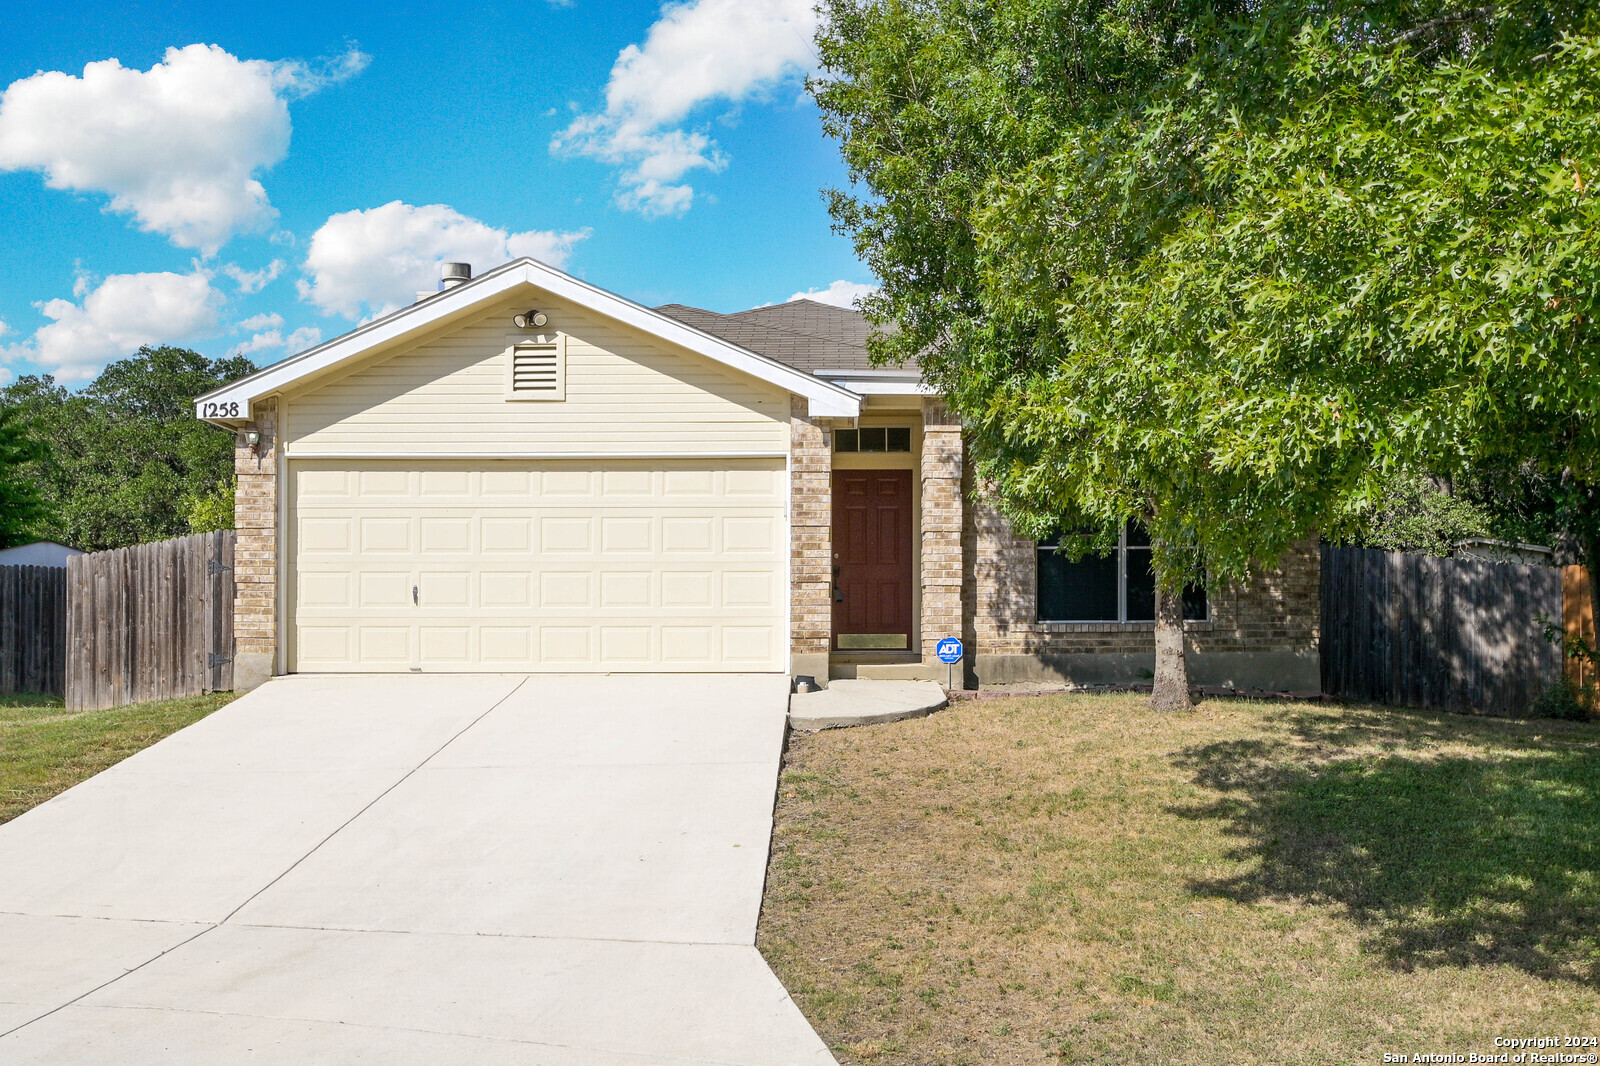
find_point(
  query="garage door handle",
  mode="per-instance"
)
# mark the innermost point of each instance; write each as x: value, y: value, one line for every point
x: 414, y: 595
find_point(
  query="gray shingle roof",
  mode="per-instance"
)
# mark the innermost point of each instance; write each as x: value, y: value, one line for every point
x: 802, y: 333
x: 815, y: 319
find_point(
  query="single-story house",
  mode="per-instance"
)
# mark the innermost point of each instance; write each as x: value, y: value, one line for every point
x: 524, y: 472
x: 39, y: 553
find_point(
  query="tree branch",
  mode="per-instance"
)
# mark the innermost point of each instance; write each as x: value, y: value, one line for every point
x: 1451, y: 19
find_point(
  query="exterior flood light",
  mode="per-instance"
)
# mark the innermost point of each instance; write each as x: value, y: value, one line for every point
x: 530, y: 318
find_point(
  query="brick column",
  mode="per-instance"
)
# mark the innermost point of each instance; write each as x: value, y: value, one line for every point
x: 810, y: 543
x: 255, y: 571
x: 941, y: 526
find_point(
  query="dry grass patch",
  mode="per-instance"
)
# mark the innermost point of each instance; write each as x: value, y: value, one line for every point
x: 1080, y: 879
x: 45, y: 749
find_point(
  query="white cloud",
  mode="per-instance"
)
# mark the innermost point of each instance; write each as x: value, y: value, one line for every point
x: 271, y: 340
x: 376, y: 260
x: 123, y: 313
x: 696, y: 52
x: 839, y: 294
x: 250, y: 281
x: 271, y: 320
x: 303, y: 338
x: 4, y: 329
x: 176, y: 146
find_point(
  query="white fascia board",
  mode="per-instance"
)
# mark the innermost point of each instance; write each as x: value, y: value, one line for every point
x: 826, y: 398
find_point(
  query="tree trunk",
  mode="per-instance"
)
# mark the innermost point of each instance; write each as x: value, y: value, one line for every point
x: 1171, y: 691
x: 1587, y: 529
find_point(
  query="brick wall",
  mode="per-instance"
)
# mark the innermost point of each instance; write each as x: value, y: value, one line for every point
x: 255, y: 515
x: 1276, y: 609
x: 810, y: 535
x: 942, y: 508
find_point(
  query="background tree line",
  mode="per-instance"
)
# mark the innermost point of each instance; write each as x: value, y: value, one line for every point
x: 122, y: 461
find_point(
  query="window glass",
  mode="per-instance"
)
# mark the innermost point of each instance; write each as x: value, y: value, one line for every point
x: 1089, y: 590
x: 1084, y: 591
x: 844, y: 440
x: 873, y: 439
x: 899, y: 438
x: 1141, y: 586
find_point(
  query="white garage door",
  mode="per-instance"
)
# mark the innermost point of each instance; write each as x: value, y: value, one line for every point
x: 513, y: 565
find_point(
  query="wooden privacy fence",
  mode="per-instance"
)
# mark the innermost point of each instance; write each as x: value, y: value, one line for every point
x: 1456, y: 634
x: 150, y: 622
x: 33, y: 629
x: 1577, y: 620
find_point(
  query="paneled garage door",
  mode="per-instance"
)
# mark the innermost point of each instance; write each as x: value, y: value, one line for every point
x: 512, y: 565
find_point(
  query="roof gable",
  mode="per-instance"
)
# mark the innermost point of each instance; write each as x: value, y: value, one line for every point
x: 232, y: 403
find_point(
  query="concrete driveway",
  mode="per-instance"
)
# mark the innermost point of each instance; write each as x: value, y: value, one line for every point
x: 441, y: 869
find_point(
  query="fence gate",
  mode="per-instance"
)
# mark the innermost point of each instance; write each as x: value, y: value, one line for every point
x: 33, y: 629
x: 150, y: 622
x: 1457, y: 634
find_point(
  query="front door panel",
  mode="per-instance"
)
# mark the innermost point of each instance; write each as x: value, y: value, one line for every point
x: 872, y: 560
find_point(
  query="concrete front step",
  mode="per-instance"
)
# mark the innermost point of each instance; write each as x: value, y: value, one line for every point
x: 888, y: 671
x: 859, y: 701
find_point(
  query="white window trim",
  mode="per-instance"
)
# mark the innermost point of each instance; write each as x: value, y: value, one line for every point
x: 541, y: 341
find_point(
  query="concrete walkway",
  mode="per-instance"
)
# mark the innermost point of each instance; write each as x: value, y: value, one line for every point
x: 447, y: 869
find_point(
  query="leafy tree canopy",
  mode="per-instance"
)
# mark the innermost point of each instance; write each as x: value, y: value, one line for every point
x: 1227, y: 267
x: 125, y: 461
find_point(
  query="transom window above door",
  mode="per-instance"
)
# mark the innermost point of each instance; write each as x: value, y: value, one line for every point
x: 1117, y: 587
x: 873, y: 439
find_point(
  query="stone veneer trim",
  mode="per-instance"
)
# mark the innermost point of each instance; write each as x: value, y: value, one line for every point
x: 255, y: 572
x: 810, y: 543
x: 942, y: 460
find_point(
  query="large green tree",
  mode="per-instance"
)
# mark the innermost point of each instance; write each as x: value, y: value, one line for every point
x: 1408, y: 260
x: 1112, y: 232
x: 124, y: 460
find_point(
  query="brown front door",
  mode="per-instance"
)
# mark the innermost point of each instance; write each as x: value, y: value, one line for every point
x: 872, y: 560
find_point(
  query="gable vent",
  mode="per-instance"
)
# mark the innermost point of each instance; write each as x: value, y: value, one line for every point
x: 537, y: 370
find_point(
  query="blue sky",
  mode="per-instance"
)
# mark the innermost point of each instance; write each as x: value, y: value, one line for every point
x: 261, y: 177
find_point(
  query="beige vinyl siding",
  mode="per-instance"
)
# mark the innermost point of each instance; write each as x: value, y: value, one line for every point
x: 625, y: 394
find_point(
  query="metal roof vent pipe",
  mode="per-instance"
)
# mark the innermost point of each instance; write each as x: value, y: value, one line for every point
x: 453, y: 274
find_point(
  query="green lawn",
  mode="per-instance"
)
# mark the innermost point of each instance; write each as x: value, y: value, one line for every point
x: 1079, y: 879
x: 45, y: 750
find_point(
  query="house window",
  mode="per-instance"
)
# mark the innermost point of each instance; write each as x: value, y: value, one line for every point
x: 1117, y: 587
x: 873, y: 439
